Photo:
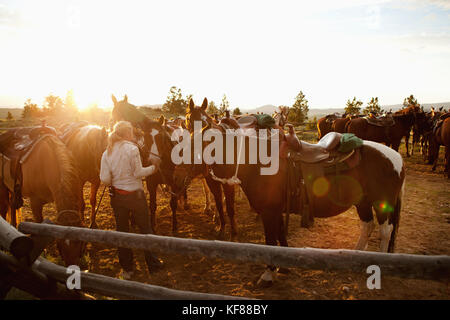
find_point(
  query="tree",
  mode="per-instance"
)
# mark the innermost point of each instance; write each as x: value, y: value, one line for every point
x: 212, y: 108
x: 372, y: 106
x: 224, y: 105
x: 237, y: 112
x: 299, y: 111
x: 53, y: 105
x: 353, y: 107
x: 30, y: 110
x: 9, y: 117
x: 69, y: 104
x: 410, y: 101
x: 175, y: 103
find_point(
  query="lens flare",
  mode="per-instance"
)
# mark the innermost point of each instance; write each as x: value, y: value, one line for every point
x: 321, y: 186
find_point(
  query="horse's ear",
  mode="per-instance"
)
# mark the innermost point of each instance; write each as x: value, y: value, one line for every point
x: 190, y: 106
x: 161, y: 119
x: 205, y: 104
x: 114, y: 99
x: 440, y: 109
x: 125, y: 98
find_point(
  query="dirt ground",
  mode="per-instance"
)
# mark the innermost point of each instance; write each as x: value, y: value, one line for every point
x: 424, y: 229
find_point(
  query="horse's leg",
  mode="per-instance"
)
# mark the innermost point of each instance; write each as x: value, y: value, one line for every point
x: 4, y: 200
x: 36, y: 209
x: 207, y: 210
x: 151, y: 187
x: 367, y: 225
x: 229, y: 200
x: 216, y: 189
x: 447, y: 161
x: 82, y: 203
x: 173, y: 206
x: 186, y: 205
x: 406, y: 144
x: 93, y: 201
x: 272, y: 229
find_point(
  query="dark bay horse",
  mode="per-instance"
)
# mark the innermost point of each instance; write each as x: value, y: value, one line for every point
x: 198, y: 114
x: 49, y: 175
x: 324, y: 125
x: 154, y: 142
x: 391, y: 136
x: 87, y: 144
x: 441, y: 137
x: 375, y: 184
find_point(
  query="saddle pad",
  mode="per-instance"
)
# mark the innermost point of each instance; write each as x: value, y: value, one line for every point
x: 349, y: 142
x: 265, y: 121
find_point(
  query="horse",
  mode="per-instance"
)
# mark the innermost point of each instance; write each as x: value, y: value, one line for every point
x: 376, y: 183
x: 153, y: 142
x: 339, y: 125
x: 198, y: 113
x: 87, y: 144
x: 49, y: 175
x: 441, y: 136
x: 324, y: 125
x: 391, y: 136
x: 281, y: 117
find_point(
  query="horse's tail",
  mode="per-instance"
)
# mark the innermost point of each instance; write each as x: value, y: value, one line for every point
x: 395, y: 218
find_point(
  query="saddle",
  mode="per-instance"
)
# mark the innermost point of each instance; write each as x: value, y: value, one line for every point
x: 15, y: 147
x: 382, y: 121
x: 334, y: 153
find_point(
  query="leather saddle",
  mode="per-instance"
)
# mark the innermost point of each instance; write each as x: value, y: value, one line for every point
x: 383, y: 121
x: 15, y: 146
x: 316, y: 153
x: 248, y: 122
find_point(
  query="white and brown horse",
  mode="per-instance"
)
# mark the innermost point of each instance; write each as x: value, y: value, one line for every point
x: 375, y: 184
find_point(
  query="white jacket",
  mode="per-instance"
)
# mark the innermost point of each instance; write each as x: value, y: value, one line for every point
x: 123, y: 167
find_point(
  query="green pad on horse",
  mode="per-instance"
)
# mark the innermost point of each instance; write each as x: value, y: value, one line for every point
x: 265, y: 121
x: 349, y: 142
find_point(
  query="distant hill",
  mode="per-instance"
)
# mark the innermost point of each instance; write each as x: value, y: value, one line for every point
x: 16, y: 112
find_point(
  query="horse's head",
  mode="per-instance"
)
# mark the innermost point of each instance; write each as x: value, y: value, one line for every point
x: 195, y: 113
x: 71, y: 251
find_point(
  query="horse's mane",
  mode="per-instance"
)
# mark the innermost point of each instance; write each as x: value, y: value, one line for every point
x: 69, y: 181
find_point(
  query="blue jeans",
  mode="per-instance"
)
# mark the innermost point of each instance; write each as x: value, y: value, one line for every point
x: 134, y: 206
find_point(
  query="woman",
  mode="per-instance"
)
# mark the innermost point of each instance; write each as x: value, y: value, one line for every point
x: 121, y: 169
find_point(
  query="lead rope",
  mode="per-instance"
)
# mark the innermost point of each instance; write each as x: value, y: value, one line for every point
x: 234, y: 180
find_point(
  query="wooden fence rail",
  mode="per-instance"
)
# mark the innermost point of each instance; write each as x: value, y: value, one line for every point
x: 401, y: 265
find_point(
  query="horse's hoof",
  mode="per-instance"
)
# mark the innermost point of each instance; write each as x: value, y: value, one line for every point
x: 264, y: 284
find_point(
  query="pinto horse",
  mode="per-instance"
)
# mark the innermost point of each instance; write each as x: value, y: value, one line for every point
x: 376, y: 183
x: 49, y: 175
x: 87, y: 144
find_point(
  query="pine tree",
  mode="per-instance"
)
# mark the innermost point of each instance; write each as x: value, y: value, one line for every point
x: 353, y: 107
x: 298, y: 114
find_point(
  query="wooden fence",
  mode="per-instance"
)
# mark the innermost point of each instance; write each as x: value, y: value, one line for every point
x: 401, y: 265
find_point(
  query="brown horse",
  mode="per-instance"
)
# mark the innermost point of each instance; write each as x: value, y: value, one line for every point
x: 391, y: 136
x: 441, y: 137
x: 339, y: 125
x: 324, y: 125
x: 87, y: 144
x: 376, y: 183
x: 49, y: 175
x: 198, y: 114
x: 154, y: 142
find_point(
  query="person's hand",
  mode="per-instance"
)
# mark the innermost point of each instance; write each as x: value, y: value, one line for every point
x: 156, y: 161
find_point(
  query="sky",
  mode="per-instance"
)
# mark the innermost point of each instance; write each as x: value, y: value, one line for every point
x: 255, y: 52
